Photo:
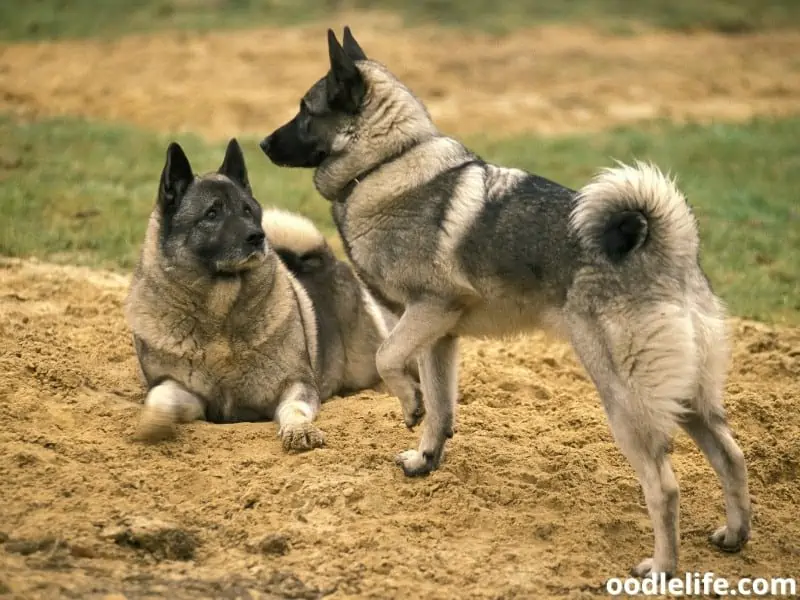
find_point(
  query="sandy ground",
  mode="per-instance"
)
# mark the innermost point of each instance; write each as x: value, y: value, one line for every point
x: 548, y: 80
x: 533, y: 499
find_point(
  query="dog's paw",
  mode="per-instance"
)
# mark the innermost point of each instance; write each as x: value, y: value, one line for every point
x: 301, y: 436
x: 414, y: 410
x: 416, y: 463
x: 648, y: 567
x: 155, y: 425
x: 728, y: 540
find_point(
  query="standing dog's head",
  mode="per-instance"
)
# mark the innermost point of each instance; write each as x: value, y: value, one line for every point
x: 209, y: 223
x: 359, y: 110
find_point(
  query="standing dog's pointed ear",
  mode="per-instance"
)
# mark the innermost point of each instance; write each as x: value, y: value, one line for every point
x: 351, y: 47
x: 345, y: 85
x: 176, y: 177
x: 233, y: 165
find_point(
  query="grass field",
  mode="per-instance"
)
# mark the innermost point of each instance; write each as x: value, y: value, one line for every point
x: 81, y: 192
x: 46, y: 19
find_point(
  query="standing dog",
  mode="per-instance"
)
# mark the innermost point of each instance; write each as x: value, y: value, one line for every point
x: 242, y: 317
x: 462, y: 247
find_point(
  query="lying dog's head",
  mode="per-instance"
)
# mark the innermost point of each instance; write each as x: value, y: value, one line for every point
x: 357, y: 108
x: 209, y: 223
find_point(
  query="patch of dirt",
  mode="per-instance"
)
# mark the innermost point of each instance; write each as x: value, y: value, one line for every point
x: 547, y: 80
x: 533, y: 499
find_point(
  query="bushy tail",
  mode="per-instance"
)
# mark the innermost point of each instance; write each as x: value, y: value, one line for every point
x: 296, y: 240
x: 628, y: 210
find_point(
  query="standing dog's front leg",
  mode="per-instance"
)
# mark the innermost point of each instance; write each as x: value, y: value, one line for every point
x: 298, y: 407
x: 424, y: 327
x: 439, y: 377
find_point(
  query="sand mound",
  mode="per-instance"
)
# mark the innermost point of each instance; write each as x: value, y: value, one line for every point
x: 533, y: 499
x: 546, y: 80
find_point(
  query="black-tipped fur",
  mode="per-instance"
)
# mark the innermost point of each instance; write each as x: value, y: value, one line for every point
x: 233, y: 165
x: 305, y: 264
x: 346, y: 87
x: 351, y: 47
x: 622, y: 234
x: 176, y: 177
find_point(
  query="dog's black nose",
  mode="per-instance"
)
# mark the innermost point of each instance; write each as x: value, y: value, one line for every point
x: 256, y: 239
x: 265, y: 144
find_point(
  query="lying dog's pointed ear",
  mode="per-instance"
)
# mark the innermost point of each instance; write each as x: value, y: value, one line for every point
x: 351, y: 47
x: 176, y: 177
x: 233, y: 165
x: 345, y: 85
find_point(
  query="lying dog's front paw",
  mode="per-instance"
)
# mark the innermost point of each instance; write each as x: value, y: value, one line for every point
x: 155, y: 425
x: 648, y: 567
x: 416, y: 463
x: 301, y: 436
x: 728, y: 540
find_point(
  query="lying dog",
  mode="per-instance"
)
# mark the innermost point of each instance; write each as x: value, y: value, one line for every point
x: 242, y: 317
x: 458, y: 246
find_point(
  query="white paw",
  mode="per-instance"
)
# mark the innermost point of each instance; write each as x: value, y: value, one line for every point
x: 155, y: 424
x: 414, y: 463
x: 301, y: 436
x: 728, y: 540
x: 648, y: 567
x: 643, y: 569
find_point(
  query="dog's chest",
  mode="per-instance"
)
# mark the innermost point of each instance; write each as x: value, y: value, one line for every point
x: 362, y: 241
x: 228, y: 359
x: 222, y: 357
x: 354, y: 245
x: 231, y: 374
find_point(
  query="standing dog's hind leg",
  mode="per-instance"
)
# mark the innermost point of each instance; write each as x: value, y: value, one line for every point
x: 714, y: 438
x: 439, y: 376
x: 647, y: 453
x: 707, y: 426
x: 639, y: 428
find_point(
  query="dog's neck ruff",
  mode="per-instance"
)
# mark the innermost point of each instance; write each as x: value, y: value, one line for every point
x: 343, y: 194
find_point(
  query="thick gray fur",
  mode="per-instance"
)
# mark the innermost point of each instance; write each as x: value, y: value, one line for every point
x: 460, y: 247
x: 240, y: 314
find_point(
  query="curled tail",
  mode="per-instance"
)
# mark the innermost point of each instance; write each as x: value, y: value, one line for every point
x: 627, y: 210
x: 296, y: 240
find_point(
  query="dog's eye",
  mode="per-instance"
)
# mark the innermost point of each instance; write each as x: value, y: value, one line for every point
x: 211, y: 214
x: 248, y: 210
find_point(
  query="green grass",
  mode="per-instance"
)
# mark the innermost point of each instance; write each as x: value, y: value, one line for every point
x: 44, y: 19
x: 76, y: 191
x: 730, y: 16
